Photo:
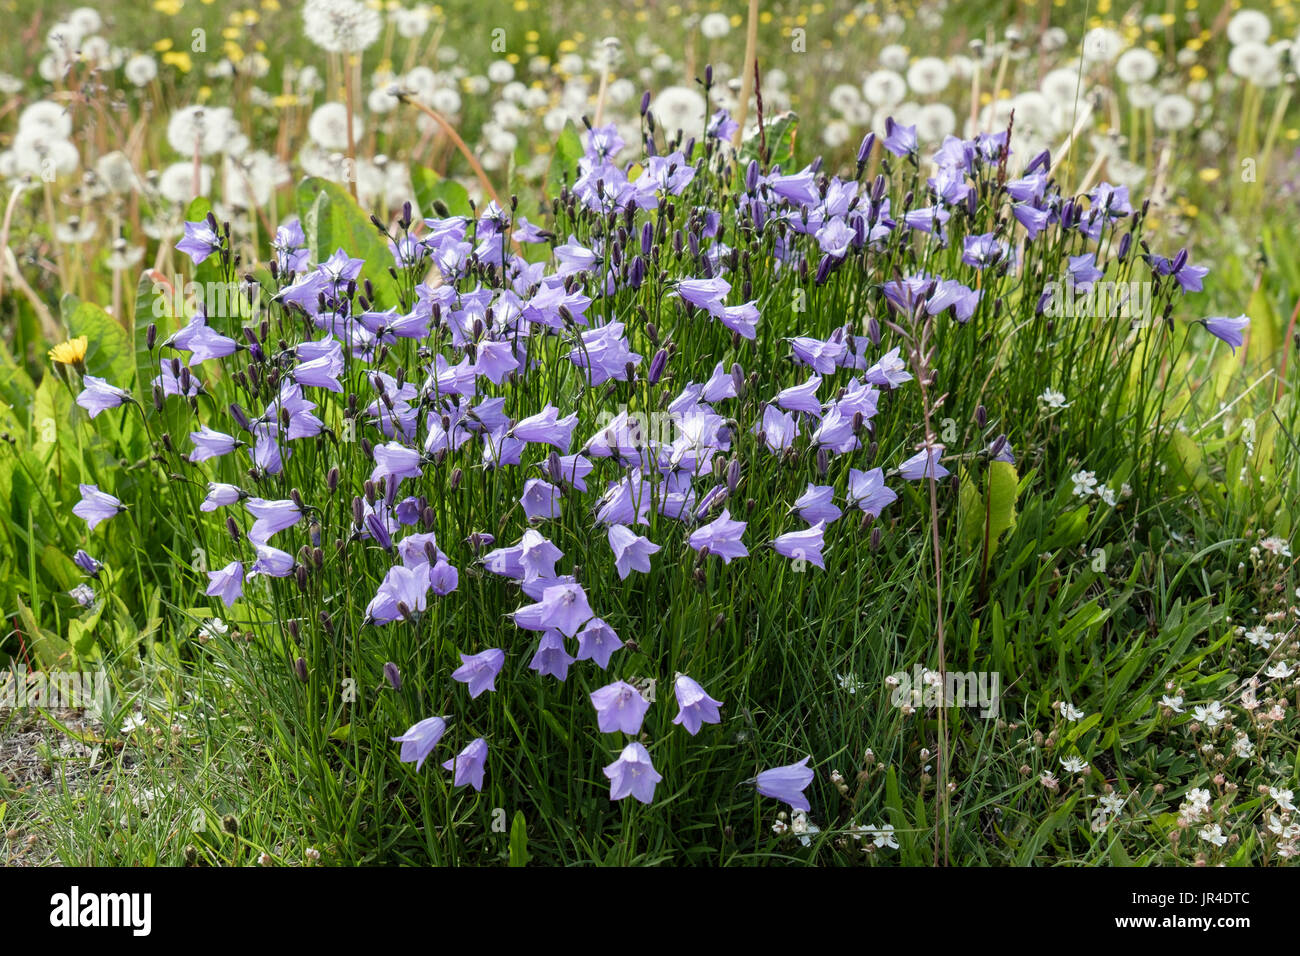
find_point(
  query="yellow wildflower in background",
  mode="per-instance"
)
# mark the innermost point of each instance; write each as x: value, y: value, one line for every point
x: 179, y: 59
x: 71, y: 352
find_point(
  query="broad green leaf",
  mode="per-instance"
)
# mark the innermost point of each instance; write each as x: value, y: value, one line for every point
x: 518, y: 840
x: 331, y: 220
x: 430, y: 188
x: 108, y: 350
x: 992, y: 512
x: 564, y: 160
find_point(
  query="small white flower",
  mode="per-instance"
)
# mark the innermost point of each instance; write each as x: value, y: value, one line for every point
x: 1284, y: 798
x: 1211, y: 715
x: 1213, y: 833
x: 1070, y: 712
x: 1174, y: 703
x: 1053, y: 399
x: 1085, y: 484
x: 1074, y: 765
x: 132, y: 724
x: 883, y: 836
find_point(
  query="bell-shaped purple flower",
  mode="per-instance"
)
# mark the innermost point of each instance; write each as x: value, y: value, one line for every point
x: 551, y: 657
x: 619, y: 706
x: 98, y: 396
x: 200, y: 240
x: 220, y: 495
x: 694, y: 707
x: 867, y: 491
x: 209, y: 443
x: 817, y: 504
x: 924, y: 464
x: 801, y: 398
x: 540, y: 500
x: 563, y: 607
x: 722, y: 537
x: 227, y: 584
x: 272, y: 517
x: 479, y: 671
x: 787, y: 783
x: 803, y: 545
x: 418, y: 741
x: 597, y: 642
x: 96, y: 506
x: 467, y: 767
x: 631, y: 550
x: 1228, y: 330
x: 632, y: 774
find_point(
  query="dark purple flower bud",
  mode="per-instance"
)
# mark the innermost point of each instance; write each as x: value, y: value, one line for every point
x: 981, y: 416
x: 1125, y: 241
x: 240, y: 418
x: 377, y: 531
x: 733, y: 475
x: 824, y: 270
x: 864, y: 149
x: 823, y: 461
x: 151, y: 336
x: 657, y: 365
x: 392, y: 675
x: 300, y: 668
x: 751, y: 176
x: 645, y: 102
x: 87, y: 564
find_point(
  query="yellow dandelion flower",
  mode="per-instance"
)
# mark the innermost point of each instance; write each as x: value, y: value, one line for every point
x: 163, y: 45
x: 1198, y: 72
x: 71, y: 352
x: 168, y: 8
x: 1208, y: 175
x: 179, y: 59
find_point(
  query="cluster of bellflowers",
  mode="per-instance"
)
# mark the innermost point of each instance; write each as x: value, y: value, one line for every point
x: 488, y: 311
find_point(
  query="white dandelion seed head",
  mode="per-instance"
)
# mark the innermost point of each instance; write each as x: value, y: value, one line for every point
x: 894, y: 57
x: 1173, y: 112
x: 1137, y: 65
x: 176, y: 183
x: 1248, y: 26
x: 341, y: 26
x: 1252, y: 61
x: 141, y: 69
x: 679, y: 108
x: 928, y: 75
x: 884, y: 88
x: 714, y: 26
x: 1101, y: 45
x: 328, y: 126
x: 934, y: 121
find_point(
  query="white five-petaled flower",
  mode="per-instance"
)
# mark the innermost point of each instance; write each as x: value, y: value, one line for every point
x: 1211, y: 715
x: 1213, y: 833
x: 1053, y: 399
